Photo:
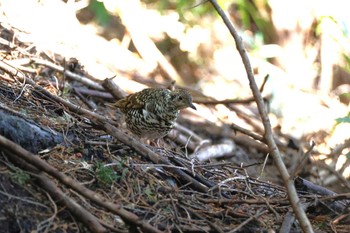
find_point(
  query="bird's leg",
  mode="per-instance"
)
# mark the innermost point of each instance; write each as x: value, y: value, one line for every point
x: 156, y: 142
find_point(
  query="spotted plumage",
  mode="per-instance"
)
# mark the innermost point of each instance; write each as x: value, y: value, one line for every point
x: 152, y: 112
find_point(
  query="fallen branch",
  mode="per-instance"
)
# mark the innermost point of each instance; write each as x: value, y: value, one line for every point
x: 80, y: 213
x: 77, y: 210
x: 288, y: 182
x: 41, y: 165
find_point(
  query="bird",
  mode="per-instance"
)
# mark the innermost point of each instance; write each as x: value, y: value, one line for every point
x: 152, y: 112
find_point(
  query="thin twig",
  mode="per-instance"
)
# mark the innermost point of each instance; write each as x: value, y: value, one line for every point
x: 264, y: 165
x: 248, y: 220
x: 300, y: 163
x: 292, y: 193
x: 66, y: 180
x: 247, y: 132
x: 261, y: 89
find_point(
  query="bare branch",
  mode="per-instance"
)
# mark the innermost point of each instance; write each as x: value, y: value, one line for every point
x: 292, y: 193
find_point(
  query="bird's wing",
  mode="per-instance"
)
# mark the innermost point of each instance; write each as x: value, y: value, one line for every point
x: 131, y: 101
x: 149, y: 99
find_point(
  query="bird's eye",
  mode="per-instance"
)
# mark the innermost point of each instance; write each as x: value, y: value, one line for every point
x: 180, y: 98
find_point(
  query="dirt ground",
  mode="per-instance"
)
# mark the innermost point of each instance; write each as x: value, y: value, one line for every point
x: 68, y: 163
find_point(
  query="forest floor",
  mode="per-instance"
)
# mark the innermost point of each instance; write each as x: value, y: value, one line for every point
x: 72, y: 166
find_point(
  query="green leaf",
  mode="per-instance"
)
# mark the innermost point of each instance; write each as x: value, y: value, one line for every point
x: 343, y: 119
x: 348, y: 155
x: 345, y: 95
x: 100, y: 11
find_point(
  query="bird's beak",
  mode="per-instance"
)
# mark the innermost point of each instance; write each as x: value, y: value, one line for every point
x: 192, y: 106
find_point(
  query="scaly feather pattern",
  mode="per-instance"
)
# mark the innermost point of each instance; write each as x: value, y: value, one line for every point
x: 152, y: 112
